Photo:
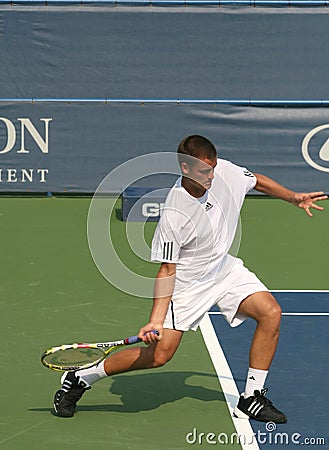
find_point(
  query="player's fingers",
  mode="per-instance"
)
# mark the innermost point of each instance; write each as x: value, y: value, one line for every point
x: 142, y: 333
x: 316, y: 194
x: 322, y: 197
x: 155, y: 335
x: 319, y: 208
x: 308, y: 212
x: 149, y: 339
x: 149, y: 336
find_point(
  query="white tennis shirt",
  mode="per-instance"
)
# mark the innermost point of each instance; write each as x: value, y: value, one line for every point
x: 197, y: 233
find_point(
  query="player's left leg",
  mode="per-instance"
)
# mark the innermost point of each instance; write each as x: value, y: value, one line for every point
x: 264, y: 309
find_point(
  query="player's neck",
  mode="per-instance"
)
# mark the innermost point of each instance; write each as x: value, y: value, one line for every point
x: 192, y: 188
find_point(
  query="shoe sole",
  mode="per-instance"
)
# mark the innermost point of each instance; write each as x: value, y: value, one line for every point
x: 61, y: 415
x: 240, y: 414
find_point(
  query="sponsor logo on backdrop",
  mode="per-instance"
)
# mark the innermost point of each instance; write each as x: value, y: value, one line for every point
x: 152, y: 209
x: 315, y: 148
x: 22, y: 137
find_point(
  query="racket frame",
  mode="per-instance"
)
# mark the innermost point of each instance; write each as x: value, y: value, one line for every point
x: 105, y: 347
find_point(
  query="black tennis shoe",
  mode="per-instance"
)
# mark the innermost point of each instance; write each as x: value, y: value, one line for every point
x: 258, y: 407
x: 66, y: 398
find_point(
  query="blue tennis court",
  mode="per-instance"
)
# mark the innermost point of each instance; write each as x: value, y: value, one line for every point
x: 298, y: 378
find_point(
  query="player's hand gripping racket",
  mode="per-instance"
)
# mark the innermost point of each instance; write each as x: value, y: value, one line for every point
x: 70, y: 357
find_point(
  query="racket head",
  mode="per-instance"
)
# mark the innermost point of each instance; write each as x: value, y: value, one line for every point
x: 73, y: 357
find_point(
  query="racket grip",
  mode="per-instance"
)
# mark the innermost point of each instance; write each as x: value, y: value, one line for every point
x: 132, y: 340
x: 135, y: 339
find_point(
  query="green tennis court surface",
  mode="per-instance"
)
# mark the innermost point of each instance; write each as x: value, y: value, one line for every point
x: 51, y: 292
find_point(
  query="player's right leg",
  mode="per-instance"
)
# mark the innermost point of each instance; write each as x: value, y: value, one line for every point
x: 74, y: 384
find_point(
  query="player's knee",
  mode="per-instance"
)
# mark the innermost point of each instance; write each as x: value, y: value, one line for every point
x: 276, y: 312
x: 161, y: 358
x: 273, y: 315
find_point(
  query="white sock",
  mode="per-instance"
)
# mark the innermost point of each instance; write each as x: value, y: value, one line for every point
x: 255, y: 381
x: 92, y: 374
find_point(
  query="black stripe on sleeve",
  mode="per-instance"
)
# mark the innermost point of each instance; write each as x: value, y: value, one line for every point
x: 171, y: 250
x: 168, y: 248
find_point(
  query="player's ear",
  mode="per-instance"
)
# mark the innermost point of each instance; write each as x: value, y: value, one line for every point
x: 185, y: 168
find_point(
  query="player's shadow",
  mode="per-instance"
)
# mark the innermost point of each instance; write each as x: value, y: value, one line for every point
x: 143, y: 392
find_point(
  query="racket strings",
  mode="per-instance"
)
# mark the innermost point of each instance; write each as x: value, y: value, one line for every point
x: 74, y: 357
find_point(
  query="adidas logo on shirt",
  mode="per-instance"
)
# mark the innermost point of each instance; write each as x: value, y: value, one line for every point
x: 208, y: 206
x: 247, y: 173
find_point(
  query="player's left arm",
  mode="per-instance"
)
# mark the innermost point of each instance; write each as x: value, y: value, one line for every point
x: 300, y: 199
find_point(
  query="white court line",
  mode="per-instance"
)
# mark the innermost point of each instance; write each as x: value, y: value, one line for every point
x: 299, y: 290
x: 218, y: 313
x: 305, y: 314
x: 230, y: 390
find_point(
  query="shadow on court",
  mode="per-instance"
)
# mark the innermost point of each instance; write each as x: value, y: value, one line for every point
x: 144, y: 392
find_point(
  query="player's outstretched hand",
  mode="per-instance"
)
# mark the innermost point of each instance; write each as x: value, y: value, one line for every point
x: 147, y: 334
x: 307, y: 201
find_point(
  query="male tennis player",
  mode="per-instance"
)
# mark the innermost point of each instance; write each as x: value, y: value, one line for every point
x: 192, y: 241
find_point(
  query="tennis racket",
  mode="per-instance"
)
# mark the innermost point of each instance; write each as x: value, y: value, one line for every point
x: 71, y: 357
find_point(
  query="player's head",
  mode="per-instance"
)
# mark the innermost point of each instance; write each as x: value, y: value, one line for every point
x: 195, y: 146
x: 197, y: 158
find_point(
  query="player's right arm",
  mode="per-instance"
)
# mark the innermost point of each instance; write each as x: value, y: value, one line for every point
x: 163, y: 291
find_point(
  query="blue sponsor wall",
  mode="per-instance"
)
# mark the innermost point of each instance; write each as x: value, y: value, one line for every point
x: 86, y: 88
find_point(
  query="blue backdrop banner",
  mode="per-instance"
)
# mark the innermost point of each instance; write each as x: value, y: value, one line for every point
x: 160, y: 52
x: 59, y: 63
x: 62, y: 147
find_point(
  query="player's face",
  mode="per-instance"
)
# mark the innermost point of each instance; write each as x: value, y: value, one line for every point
x: 200, y: 173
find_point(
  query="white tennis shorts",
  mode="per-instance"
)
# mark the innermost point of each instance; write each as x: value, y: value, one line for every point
x: 187, y: 309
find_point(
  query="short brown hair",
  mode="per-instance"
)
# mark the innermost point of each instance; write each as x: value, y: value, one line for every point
x: 197, y: 147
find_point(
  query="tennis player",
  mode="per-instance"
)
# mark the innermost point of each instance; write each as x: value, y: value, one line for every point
x: 192, y: 243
